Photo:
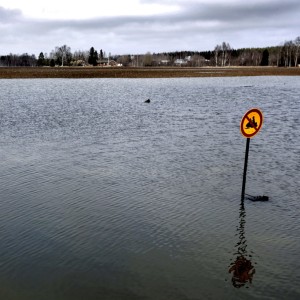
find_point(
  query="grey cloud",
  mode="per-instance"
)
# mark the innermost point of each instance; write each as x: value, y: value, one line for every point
x: 231, y: 10
x: 167, y: 2
x: 9, y: 15
x: 191, y: 11
x: 194, y: 26
x: 242, y: 11
x: 230, y: 15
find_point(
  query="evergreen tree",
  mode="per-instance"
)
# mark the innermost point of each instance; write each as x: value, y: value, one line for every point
x: 265, y: 58
x: 41, y: 60
x: 93, y: 57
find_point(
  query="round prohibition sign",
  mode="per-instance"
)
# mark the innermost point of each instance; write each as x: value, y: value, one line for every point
x: 251, y: 123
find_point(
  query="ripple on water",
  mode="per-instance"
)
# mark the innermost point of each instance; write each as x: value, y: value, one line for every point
x: 103, y: 194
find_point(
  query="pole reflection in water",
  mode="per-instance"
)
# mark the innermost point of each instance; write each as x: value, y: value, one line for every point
x: 242, y: 269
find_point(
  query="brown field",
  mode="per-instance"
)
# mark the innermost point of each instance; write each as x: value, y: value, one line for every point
x: 163, y: 72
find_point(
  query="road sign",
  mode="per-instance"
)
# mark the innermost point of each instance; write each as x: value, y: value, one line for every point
x: 251, y: 122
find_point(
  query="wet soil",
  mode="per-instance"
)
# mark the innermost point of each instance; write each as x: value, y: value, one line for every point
x: 165, y: 72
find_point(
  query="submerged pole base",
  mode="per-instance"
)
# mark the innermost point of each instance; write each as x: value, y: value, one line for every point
x: 257, y: 198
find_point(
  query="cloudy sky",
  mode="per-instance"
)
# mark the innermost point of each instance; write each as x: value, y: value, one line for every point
x: 139, y: 26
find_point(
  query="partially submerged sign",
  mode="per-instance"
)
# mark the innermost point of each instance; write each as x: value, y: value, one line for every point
x: 250, y: 126
x: 251, y: 122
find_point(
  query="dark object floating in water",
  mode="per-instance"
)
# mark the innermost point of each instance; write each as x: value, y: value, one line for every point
x: 147, y: 101
x: 257, y: 198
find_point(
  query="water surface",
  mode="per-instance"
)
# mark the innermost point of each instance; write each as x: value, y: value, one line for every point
x: 104, y: 196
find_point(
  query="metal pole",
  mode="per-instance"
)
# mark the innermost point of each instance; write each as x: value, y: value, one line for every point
x: 245, y: 168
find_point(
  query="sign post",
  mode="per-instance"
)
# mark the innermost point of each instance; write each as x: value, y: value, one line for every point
x: 245, y: 168
x: 250, y: 125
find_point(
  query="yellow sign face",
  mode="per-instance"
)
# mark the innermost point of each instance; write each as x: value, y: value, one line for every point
x: 251, y: 123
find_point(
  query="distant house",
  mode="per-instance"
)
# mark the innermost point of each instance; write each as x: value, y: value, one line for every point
x: 164, y: 62
x: 180, y: 62
x: 105, y: 62
x: 112, y: 63
x: 102, y: 62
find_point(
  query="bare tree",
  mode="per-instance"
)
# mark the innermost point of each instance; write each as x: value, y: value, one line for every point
x: 255, y: 57
x: 135, y: 60
x: 296, y: 52
x: 216, y: 53
x: 225, y: 50
x: 125, y: 60
x: 287, y: 53
x: 80, y: 58
x: 274, y: 56
x: 148, y: 59
x: 62, y: 54
x: 197, y: 60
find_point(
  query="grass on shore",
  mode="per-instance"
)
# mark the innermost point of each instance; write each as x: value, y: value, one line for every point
x: 163, y: 72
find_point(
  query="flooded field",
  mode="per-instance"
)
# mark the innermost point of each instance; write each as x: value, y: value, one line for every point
x: 104, y: 196
x: 162, y: 72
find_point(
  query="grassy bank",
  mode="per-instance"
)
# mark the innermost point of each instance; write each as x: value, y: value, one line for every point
x: 164, y: 72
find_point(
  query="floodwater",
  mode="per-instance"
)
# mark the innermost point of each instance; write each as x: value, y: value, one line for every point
x: 104, y: 196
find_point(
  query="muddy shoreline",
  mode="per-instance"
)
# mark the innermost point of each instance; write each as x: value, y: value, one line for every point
x: 163, y: 72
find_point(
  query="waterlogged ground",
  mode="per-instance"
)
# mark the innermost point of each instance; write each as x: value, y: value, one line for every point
x: 160, y: 72
x: 104, y: 196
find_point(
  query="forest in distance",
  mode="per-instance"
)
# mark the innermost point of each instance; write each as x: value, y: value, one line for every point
x: 285, y: 55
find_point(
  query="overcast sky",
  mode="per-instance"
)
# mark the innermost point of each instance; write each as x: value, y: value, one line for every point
x: 139, y: 26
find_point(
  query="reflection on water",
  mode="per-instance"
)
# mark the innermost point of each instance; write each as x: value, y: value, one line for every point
x: 241, y: 268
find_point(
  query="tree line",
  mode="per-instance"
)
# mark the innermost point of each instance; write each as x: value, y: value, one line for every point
x: 286, y: 55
